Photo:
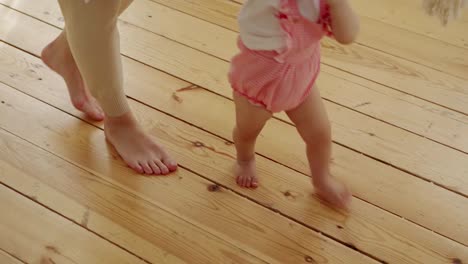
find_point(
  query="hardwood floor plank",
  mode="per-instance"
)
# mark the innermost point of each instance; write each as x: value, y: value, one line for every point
x: 109, y: 209
x: 372, y: 63
x: 374, y: 138
x: 207, y: 74
x: 409, y: 15
x: 221, y: 43
x: 398, y: 109
x: 214, y: 159
x: 169, y: 101
x: 189, y: 105
x: 36, y: 235
x: 405, y: 46
x: 400, y: 74
x: 416, y: 115
x: 6, y: 258
x: 219, y: 212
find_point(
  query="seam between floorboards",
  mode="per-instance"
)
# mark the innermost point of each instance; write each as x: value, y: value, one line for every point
x: 12, y: 255
x: 285, y: 121
x: 341, y: 144
x: 271, y: 159
x: 389, y: 24
x: 257, y: 202
x: 328, y: 64
x: 418, y: 33
x: 63, y: 216
x: 327, y: 99
x: 398, y: 90
x: 297, y: 170
x: 206, y: 53
x: 324, y: 63
x: 360, y: 43
x: 136, y: 194
x: 342, y: 243
x: 189, y: 14
x: 415, y: 62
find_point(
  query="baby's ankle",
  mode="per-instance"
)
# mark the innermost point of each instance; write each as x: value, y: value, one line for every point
x: 322, y: 180
x: 242, y: 161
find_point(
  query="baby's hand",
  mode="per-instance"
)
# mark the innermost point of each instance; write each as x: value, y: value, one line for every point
x: 344, y: 22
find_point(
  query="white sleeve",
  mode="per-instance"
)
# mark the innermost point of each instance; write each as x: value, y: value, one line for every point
x: 259, y: 28
x: 310, y: 9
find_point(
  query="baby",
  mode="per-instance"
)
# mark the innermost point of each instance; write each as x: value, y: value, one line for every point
x: 276, y: 70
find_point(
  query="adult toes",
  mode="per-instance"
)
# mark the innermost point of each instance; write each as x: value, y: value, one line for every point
x: 155, y: 167
x: 164, y: 169
x: 146, y: 167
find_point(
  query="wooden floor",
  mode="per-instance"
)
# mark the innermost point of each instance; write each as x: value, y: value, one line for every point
x: 398, y: 101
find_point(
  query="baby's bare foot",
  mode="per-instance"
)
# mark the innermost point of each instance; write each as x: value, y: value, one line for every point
x: 137, y: 149
x: 57, y: 56
x: 333, y: 192
x: 246, y: 174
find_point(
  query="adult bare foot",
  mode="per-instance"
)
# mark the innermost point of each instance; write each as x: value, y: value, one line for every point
x: 333, y: 192
x: 136, y: 148
x: 58, y: 57
x: 246, y: 174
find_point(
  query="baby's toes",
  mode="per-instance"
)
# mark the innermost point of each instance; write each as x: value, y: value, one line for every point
x: 252, y: 182
x: 239, y: 181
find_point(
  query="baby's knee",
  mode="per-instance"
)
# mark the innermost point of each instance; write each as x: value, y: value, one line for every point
x: 319, y: 135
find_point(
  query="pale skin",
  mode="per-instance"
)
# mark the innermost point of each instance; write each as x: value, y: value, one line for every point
x: 138, y: 150
x: 311, y: 121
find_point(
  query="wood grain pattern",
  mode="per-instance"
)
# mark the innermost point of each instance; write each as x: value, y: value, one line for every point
x: 6, y: 258
x: 50, y: 238
x: 215, y: 160
x: 210, y: 73
x: 222, y: 43
x: 409, y: 15
x: 405, y: 47
x: 404, y: 58
x: 398, y: 108
x: 110, y: 209
x: 184, y: 195
x: 164, y: 220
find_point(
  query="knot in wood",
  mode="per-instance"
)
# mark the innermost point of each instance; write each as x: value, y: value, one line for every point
x: 213, y: 188
x: 198, y: 144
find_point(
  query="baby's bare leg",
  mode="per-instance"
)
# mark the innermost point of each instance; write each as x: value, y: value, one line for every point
x: 250, y: 121
x: 314, y: 127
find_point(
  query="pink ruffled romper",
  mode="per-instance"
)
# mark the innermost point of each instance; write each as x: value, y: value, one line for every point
x: 282, y: 80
